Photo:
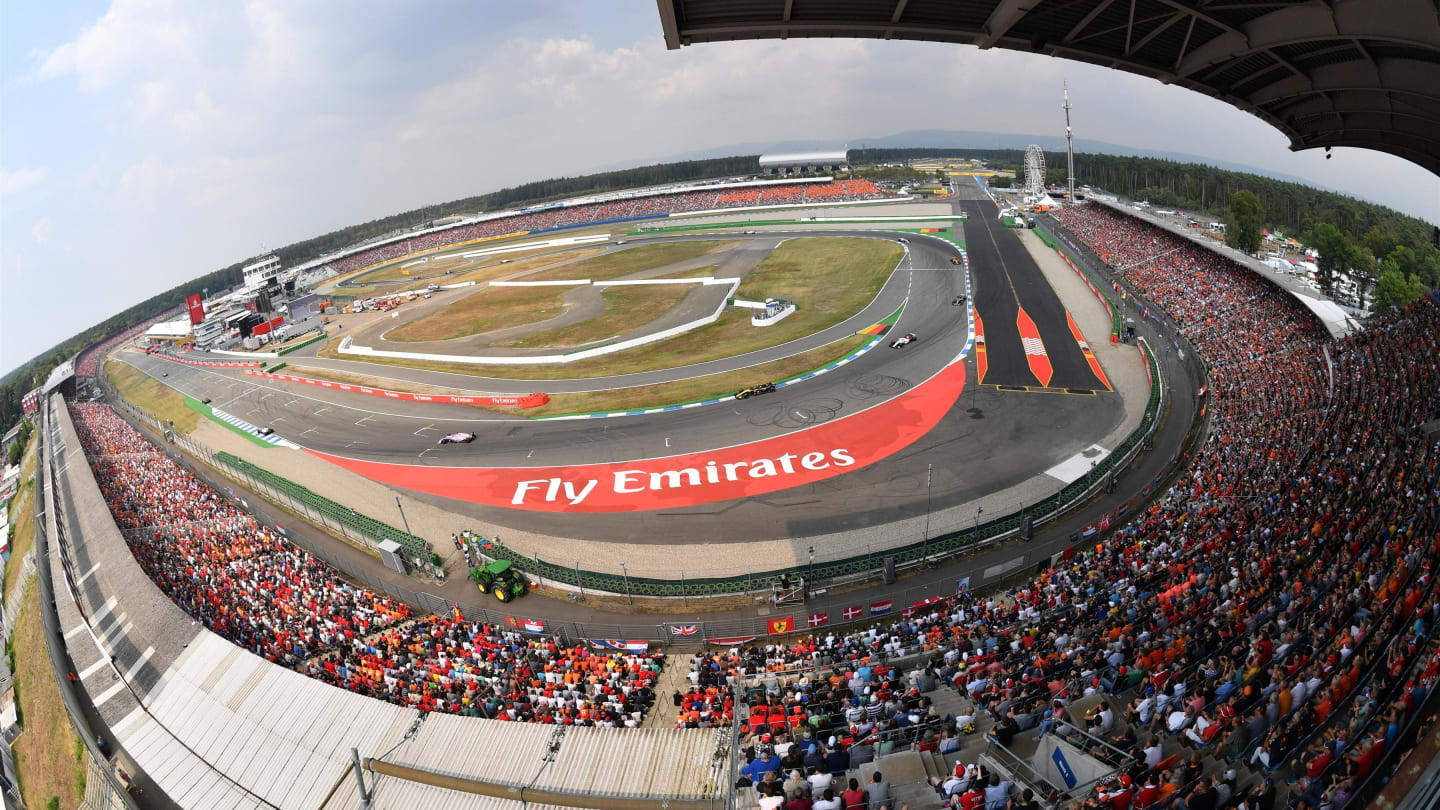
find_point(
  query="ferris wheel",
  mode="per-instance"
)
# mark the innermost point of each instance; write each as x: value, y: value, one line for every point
x: 1034, y: 170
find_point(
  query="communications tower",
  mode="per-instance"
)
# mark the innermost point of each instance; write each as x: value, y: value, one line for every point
x: 1069, y: 146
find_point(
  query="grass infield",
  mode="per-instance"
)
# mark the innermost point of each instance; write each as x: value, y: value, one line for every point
x: 636, y: 397
x: 150, y: 395
x: 829, y: 278
x: 626, y: 308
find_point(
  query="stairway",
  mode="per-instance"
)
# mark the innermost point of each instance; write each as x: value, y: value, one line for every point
x: 675, y: 676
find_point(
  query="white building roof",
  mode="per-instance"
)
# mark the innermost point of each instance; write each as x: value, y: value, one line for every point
x: 169, y: 329
x: 803, y: 158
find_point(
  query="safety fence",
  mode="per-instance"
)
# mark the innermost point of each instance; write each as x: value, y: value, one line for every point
x: 817, y: 612
x: 328, y: 511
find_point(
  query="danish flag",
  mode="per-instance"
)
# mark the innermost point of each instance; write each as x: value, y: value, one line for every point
x: 853, y: 612
x: 817, y: 619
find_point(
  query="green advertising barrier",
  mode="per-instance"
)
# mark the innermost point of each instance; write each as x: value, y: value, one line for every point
x: 340, y: 514
x: 299, y: 346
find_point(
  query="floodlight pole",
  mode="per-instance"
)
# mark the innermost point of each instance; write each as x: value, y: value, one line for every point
x: 925, y: 538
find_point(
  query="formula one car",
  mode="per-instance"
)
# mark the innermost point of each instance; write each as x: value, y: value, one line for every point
x: 755, y: 390
x: 958, y: 301
x: 903, y: 341
x: 902, y: 240
x: 954, y: 260
x: 457, y: 438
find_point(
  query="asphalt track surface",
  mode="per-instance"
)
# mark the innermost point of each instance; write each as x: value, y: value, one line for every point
x: 1021, y: 285
x: 989, y: 440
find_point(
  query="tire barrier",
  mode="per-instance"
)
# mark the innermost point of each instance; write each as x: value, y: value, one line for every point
x: 525, y: 401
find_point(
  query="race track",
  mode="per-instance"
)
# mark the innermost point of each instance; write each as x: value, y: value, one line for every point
x: 986, y: 441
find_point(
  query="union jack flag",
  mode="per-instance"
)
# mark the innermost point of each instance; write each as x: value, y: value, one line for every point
x: 684, y: 629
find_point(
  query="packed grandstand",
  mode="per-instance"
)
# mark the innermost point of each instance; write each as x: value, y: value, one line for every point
x: 629, y: 208
x: 1273, y: 612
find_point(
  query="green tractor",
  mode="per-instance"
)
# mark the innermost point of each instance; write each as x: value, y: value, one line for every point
x: 500, y: 579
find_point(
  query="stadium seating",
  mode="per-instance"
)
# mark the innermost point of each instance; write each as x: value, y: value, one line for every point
x: 1275, y: 610
x: 649, y: 205
x: 251, y: 586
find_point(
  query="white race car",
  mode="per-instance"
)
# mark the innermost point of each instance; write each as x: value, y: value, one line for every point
x: 906, y: 340
x: 457, y: 438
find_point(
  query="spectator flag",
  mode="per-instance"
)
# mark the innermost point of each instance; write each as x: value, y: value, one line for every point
x: 852, y: 613
x: 916, y: 607
x: 779, y: 626
x: 1090, y: 531
x: 627, y: 646
x: 528, y: 625
x: 1105, y: 522
x: 876, y: 608
x: 818, y: 619
x: 684, y: 629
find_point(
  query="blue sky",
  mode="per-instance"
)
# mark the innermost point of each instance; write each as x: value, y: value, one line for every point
x: 146, y: 142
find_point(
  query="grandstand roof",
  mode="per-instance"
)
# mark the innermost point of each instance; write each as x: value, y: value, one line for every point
x: 1331, y: 316
x: 803, y: 158
x: 169, y: 329
x: 1335, y: 73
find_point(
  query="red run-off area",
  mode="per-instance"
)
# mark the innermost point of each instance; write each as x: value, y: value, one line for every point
x: 804, y: 457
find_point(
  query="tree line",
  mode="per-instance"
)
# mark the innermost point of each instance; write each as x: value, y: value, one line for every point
x: 1290, y: 207
x: 17, y: 383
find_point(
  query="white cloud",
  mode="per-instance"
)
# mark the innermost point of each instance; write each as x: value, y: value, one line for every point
x: 133, y: 34
x: 195, y: 132
x: 14, y: 182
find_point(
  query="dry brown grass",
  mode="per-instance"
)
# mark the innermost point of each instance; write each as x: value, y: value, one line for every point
x: 831, y: 278
x: 483, y: 311
x: 633, y: 260
x: 626, y: 308
x: 151, y: 395
x: 48, y: 756
x: 22, y: 517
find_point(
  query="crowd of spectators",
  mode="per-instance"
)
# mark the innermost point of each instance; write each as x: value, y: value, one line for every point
x: 1274, y: 609
x: 249, y: 584
x: 629, y: 208
x: 88, y: 363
